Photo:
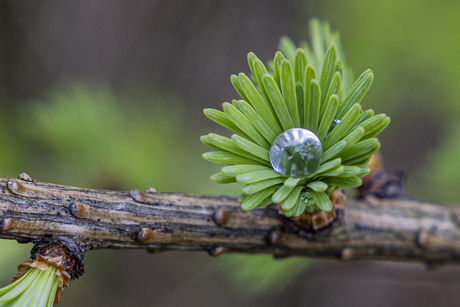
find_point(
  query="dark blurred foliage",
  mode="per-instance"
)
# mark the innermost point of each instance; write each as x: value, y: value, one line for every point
x: 109, y: 94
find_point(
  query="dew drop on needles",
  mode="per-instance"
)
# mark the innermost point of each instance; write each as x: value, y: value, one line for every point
x: 296, y: 152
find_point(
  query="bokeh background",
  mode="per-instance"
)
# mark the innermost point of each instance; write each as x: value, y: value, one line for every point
x: 109, y: 94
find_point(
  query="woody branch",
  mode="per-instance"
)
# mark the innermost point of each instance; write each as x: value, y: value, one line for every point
x: 390, y: 229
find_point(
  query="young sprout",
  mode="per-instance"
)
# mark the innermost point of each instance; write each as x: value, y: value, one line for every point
x: 43, y: 279
x: 300, y: 130
x: 37, y: 286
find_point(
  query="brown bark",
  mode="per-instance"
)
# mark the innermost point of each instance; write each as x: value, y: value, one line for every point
x: 395, y: 229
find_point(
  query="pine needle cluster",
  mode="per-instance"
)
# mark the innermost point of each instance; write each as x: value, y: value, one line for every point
x: 307, y: 87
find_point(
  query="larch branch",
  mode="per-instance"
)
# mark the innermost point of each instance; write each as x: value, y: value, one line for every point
x: 394, y: 229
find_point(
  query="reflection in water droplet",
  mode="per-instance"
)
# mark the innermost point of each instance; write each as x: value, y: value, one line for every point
x: 296, y: 152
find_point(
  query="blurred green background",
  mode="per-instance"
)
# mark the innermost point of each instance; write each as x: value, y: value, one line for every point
x: 109, y: 94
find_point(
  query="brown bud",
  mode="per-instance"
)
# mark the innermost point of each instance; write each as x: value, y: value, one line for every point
x: 423, y: 238
x: 217, y: 251
x: 15, y: 187
x: 274, y: 237
x: 145, y: 235
x: 150, y: 191
x: 137, y: 195
x: 347, y: 254
x: 25, y: 177
x: 221, y: 217
x: 79, y: 210
x: 6, y: 224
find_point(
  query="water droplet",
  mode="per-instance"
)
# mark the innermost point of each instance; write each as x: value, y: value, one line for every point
x: 334, y: 123
x: 296, y: 152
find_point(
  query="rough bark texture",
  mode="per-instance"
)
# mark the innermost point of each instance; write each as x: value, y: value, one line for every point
x: 396, y: 229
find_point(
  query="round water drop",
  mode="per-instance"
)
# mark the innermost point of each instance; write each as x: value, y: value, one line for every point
x: 334, y: 123
x: 296, y: 152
